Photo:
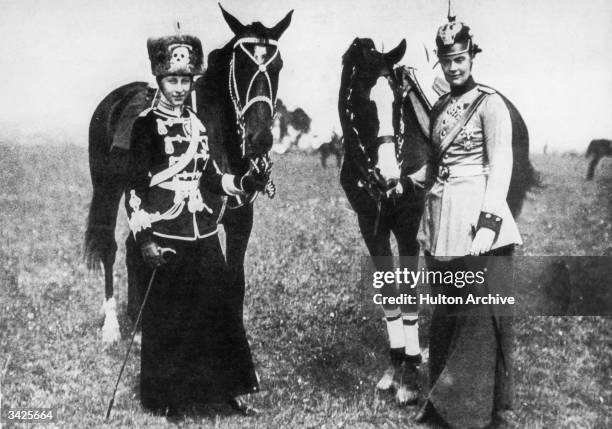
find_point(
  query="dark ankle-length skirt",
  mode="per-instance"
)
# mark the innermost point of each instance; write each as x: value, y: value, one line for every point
x: 194, y: 347
x: 470, y: 352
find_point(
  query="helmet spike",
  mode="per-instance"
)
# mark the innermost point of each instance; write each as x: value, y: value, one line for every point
x: 178, y: 28
x: 451, y: 17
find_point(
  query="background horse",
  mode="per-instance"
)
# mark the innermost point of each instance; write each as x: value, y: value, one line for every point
x: 333, y: 147
x: 597, y: 149
x: 235, y: 99
x: 380, y: 213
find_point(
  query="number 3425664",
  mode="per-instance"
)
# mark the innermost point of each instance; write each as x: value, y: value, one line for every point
x: 39, y: 415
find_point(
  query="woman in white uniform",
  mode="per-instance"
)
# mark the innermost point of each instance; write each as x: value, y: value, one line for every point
x: 466, y: 214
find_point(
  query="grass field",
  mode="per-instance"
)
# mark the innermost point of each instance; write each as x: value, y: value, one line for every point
x: 318, y: 350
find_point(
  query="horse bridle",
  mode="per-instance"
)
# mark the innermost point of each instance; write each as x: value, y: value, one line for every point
x: 260, y: 163
x: 367, y: 173
x: 398, y: 133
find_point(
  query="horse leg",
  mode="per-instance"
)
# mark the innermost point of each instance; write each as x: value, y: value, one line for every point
x: 323, y: 158
x: 406, y: 218
x: 592, y: 165
x: 379, y: 247
x: 238, y: 224
x: 110, y: 329
x: 105, y: 207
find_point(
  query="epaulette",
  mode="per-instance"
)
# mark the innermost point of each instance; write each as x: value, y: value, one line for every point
x: 486, y: 89
x: 145, y: 112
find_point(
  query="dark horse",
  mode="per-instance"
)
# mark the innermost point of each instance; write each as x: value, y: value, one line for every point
x: 597, y: 149
x: 381, y: 211
x: 235, y: 99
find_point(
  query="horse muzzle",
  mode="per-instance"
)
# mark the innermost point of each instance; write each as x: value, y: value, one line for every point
x: 259, y: 143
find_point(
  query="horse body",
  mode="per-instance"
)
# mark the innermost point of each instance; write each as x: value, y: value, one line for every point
x: 235, y: 100
x: 597, y: 149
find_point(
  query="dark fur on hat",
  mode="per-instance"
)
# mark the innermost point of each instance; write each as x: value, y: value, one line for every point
x: 180, y: 55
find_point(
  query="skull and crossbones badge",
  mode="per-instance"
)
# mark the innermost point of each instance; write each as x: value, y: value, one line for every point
x: 179, y: 57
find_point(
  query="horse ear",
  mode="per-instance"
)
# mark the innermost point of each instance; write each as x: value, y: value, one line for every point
x: 397, y: 53
x: 350, y: 52
x: 277, y: 31
x: 235, y: 25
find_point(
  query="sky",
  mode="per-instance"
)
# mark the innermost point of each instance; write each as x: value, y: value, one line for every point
x: 552, y: 58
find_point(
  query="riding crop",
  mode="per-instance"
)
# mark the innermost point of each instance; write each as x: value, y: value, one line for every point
x: 127, y: 354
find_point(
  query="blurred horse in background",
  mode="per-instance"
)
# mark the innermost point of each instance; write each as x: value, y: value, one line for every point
x: 333, y: 147
x: 597, y: 149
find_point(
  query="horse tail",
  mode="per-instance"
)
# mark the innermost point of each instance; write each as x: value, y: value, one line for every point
x: 108, y: 175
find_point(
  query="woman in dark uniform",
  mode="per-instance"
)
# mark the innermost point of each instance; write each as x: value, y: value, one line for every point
x: 466, y: 215
x: 194, y: 348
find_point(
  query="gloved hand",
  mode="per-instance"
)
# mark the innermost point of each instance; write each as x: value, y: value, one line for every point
x: 380, y: 182
x: 377, y: 180
x: 152, y: 254
x: 253, y: 182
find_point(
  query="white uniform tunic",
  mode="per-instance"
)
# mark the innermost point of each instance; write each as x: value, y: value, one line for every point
x: 473, y: 176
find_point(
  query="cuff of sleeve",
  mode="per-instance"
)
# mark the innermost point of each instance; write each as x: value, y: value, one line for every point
x: 231, y: 184
x: 490, y: 221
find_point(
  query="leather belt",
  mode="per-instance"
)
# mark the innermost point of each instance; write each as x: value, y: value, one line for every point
x: 446, y: 172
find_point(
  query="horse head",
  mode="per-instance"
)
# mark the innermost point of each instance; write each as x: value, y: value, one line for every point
x: 368, y: 103
x: 253, y: 76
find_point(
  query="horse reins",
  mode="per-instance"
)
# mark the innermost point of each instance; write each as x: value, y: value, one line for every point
x: 262, y: 161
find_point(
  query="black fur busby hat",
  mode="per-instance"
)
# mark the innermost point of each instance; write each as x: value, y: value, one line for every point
x: 455, y: 38
x: 180, y: 55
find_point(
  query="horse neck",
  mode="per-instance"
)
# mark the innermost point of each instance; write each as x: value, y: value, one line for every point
x: 214, y: 96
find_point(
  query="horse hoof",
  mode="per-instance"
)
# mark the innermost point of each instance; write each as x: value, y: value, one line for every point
x: 386, y: 381
x: 242, y: 407
x: 405, y: 396
x: 110, y: 332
